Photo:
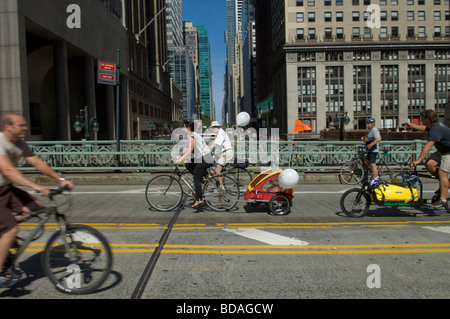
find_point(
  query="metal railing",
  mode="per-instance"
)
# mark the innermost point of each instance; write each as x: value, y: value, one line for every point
x: 156, y: 155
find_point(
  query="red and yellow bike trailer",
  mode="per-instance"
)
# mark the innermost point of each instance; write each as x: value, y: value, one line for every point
x: 265, y: 188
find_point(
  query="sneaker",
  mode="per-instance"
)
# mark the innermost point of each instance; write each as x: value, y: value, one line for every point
x: 7, y: 281
x: 439, y: 204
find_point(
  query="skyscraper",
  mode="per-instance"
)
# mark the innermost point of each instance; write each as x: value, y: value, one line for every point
x: 205, y: 72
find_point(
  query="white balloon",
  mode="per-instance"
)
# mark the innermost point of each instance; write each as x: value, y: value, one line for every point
x: 288, y: 178
x: 243, y: 119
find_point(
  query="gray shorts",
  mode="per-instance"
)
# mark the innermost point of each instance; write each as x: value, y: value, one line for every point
x: 442, y: 160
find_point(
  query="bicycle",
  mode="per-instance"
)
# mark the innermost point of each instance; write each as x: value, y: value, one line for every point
x: 356, y: 202
x: 354, y: 171
x: 77, y: 259
x: 240, y: 174
x: 165, y: 192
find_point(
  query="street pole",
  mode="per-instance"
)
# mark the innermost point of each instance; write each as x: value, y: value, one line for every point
x: 118, y: 110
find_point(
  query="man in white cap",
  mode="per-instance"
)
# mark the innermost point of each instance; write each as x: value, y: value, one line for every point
x: 224, y: 151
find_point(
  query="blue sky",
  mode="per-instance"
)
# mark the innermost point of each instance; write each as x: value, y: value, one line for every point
x: 212, y: 15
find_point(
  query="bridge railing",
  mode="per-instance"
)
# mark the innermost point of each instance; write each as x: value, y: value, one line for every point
x: 156, y: 155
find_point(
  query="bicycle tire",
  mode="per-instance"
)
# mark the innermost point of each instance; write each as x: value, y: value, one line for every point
x: 355, y: 202
x: 351, y: 173
x: 92, y: 262
x: 164, y: 193
x: 221, y: 200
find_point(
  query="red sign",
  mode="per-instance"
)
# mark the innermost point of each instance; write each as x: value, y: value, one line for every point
x: 107, y: 77
x: 105, y: 66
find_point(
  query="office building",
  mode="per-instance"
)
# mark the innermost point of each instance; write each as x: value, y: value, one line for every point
x: 319, y: 60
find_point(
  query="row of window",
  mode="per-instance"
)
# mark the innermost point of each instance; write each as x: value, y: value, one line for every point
x: 339, y: 16
x: 411, y: 33
x: 310, y: 3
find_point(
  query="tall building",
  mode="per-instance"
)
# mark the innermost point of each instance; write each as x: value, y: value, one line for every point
x: 191, y: 42
x: 205, y: 72
x: 249, y: 59
x: 233, y: 72
x: 321, y: 59
x: 50, y: 53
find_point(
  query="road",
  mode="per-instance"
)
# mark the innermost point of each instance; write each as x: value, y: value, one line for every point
x: 315, y: 252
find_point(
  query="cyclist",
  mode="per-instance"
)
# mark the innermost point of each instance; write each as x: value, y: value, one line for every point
x: 12, y: 199
x: 202, y: 160
x: 372, y: 139
x: 438, y: 163
x: 226, y: 153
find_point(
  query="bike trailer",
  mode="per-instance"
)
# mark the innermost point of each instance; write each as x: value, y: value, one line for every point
x: 395, y: 193
x: 266, y: 185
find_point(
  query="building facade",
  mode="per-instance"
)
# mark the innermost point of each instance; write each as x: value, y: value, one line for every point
x: 327, y: 61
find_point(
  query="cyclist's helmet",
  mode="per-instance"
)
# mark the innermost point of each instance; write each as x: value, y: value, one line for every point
x: 371, y: 120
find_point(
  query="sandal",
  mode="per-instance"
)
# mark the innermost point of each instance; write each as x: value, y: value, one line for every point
x: 198, y: 203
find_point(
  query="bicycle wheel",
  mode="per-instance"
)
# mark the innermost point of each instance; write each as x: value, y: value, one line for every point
x: 351, y: 173
x: 77, y: 261
x: 221, y: 199
x: 242, y: 176
x: 279, y: 205
x: 164, y: 193
x: 355, y: 202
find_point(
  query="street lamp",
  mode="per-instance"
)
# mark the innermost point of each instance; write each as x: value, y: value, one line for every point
x: 83, y: 121
x: 151, y: 127
x: 342, y: 120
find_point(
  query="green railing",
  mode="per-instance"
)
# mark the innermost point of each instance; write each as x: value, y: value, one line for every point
x: 156, y: 155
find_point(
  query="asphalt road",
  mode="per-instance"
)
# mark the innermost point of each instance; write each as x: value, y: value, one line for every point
x: 316, y: 252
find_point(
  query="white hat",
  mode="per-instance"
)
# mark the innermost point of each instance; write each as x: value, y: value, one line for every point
x: 215, y: 124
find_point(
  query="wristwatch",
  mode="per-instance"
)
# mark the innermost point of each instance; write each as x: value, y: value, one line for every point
x: 62, y: 179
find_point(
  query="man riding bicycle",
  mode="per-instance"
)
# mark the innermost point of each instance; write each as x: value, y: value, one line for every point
x: 12, y: 199
x: 372, y: 139
x: 225, y: 149
x: 438, y: 163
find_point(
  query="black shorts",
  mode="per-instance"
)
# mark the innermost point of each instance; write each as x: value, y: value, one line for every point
x: 13, y: 200
x: 372, y: 157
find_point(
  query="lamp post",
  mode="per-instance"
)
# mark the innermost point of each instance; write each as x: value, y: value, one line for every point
x: 151, y: 127
x: 83, y: 121
x: 342, y: 120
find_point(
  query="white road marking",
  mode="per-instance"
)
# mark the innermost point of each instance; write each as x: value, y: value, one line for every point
x: 443, y: 229
x: 265, y: 237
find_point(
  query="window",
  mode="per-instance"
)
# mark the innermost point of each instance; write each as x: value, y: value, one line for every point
x: 421, y: 16
x: 383, y: 2
x: 383, y: 16
x: 394, y: 16
x: 311, y: 3
x: 421, y: 2
x: 300, y: 17
x: 311, y: 33
x: 299, y: 3
x: 328, y: 33
x: 410, y: 16
x: 410, y: 2
x: 422, y: 32
x: 339, y: 33
x: 383, y: 33
x: 355, y: 2
x: 327, y: 2
x: 311, y: 17
x: 355, y: 33
x: 394, y: 33
x: 437, y: 15
x: 394, y: 2
x: 410, y: 32
x: 355, y: 16
x: 437, y: 32
x: 339, y: 2
x: 328, y: 17
x: 300, y: 34
x: 339, y: 16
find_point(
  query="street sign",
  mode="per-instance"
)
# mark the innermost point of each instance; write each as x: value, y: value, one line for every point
x: 107, y: 73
